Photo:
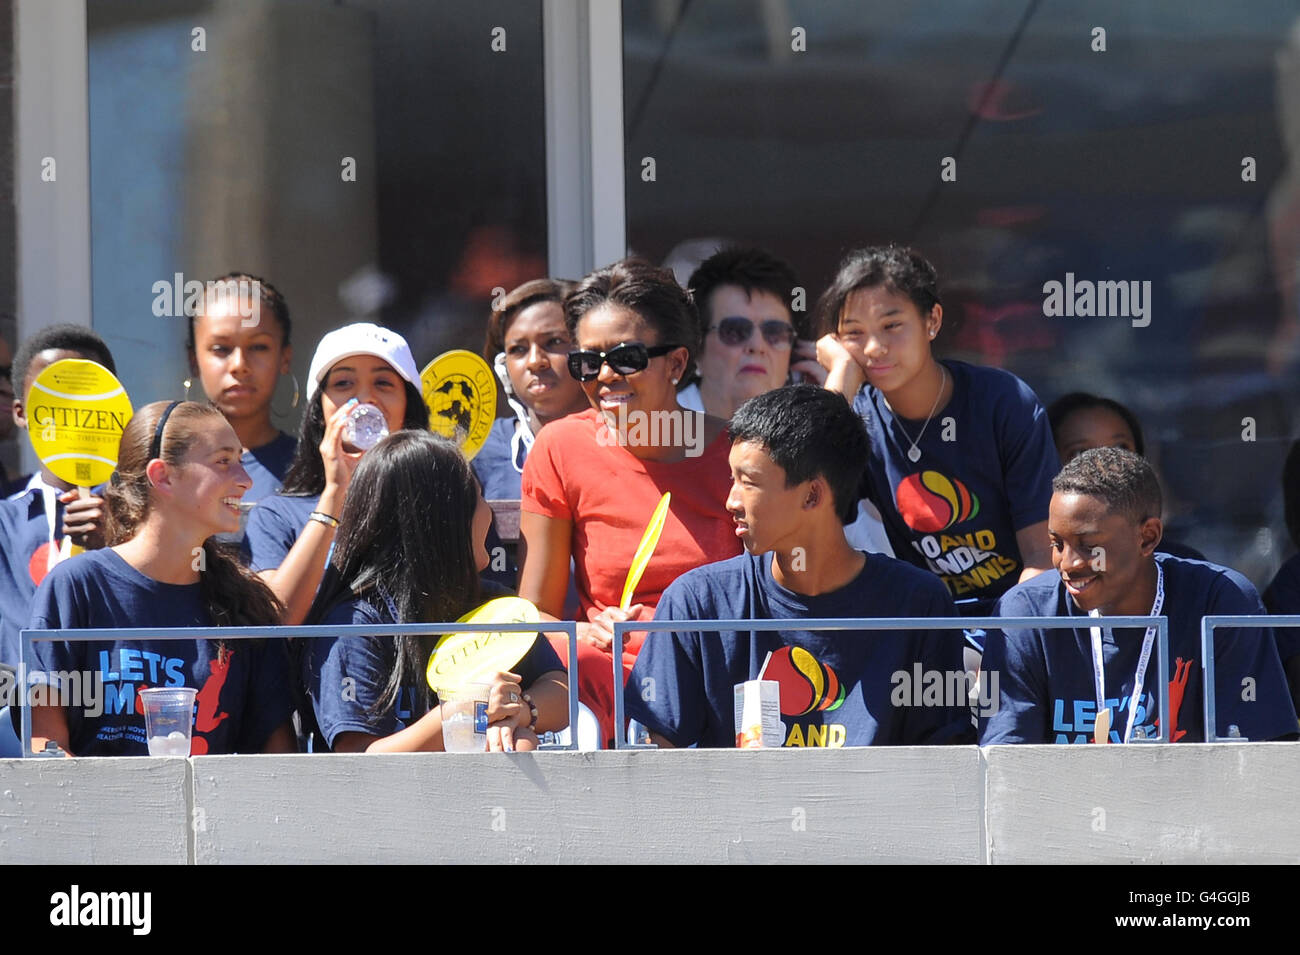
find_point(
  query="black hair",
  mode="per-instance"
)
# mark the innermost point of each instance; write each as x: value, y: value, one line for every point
x: 1124, y: 480
x: 514, y: 302
x: 752, y: 270
x: 76, y: 338
x: 406, y: 535
x: 306, y: 474
x: 1066, y: 405
x: 651, y: 292
x: 271, y: 300
x: 808, y: 431
x: 232, y: 594
x: 897, y: 269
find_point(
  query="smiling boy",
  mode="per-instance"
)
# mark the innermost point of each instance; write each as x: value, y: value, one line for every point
x: 1104, y: 527
x: 796, y: 456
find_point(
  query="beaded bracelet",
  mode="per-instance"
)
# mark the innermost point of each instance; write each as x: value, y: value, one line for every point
x: 532, y: 707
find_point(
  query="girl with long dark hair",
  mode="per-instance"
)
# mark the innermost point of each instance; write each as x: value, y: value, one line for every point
x: 178, y: 483
x: 410, y: 549
x: 289, y: 534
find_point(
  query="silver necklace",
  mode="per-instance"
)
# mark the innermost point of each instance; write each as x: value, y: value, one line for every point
x: 914, y: 453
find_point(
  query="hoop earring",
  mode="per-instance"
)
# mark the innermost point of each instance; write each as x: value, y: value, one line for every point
x: 293, y: 405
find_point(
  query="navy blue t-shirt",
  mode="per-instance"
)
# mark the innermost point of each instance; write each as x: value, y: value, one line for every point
x: 268, y: 465
x: 985, y: 472
x: 368, y: 661
x: 1045, y: 677
x: 273, y: 526
x: 838, y: 688
x: 244, y: 691
x: 498, y: 469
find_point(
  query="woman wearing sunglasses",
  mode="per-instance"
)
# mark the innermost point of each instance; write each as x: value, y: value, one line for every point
x: 751, y: 344
x: 592, y: 480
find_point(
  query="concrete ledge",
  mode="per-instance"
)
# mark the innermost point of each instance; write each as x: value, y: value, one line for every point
x: 95, y: 811
x: 887, y: 805
x: 1225, y: 803
x: 1189, y: 803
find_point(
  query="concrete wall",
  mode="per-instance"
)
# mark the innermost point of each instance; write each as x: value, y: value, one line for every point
x: 1225, y: 803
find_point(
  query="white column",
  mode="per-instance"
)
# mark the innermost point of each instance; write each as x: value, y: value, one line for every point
x: 51, y: 113
x: 583, y: 66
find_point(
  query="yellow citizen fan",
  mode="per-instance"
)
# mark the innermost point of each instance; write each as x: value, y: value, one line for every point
x: 76, y: 412
x: 461, y: 392
x: 461, y: 658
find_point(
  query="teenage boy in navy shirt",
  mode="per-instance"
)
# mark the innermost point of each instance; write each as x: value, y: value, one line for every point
x: 1105, y: 527
x: 40, y: 522
x: 796, y: 458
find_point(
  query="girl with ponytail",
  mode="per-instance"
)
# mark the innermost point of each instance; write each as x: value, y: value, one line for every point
x: 179, y: 482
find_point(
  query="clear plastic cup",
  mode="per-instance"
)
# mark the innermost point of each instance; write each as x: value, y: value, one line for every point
x: 365, y: 427
x: 464, y: 718
x: 168, y: 719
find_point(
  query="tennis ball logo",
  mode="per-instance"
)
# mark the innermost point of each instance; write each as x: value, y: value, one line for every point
x: 807, y: 684
x: 931, y: 502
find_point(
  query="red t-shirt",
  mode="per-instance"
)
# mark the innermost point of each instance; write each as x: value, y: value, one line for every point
x: 610, y: 494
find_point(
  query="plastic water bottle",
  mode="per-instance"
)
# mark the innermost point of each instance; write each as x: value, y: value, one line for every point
x: 365, y: 427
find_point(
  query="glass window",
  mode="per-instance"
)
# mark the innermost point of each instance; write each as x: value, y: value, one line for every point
x: 375, y: 159
x: 1125, y: 164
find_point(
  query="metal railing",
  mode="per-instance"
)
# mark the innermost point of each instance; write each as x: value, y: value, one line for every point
x: 891, y: 623
x: 110, y: 635
x: 1208, y: 623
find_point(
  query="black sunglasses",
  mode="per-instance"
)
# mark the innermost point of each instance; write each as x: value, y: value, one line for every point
x: 624, y: 359
x: 736, y: 331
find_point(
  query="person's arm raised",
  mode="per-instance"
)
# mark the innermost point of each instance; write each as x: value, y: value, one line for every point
x: 299, y: 574
x: 843, y: 373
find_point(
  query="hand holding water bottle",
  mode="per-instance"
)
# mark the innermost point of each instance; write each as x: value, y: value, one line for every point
x: 338, y: 461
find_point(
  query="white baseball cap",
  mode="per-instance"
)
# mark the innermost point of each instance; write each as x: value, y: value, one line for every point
x: 363, y: 338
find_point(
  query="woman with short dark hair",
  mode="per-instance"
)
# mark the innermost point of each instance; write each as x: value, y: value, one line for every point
x: 593, y: 480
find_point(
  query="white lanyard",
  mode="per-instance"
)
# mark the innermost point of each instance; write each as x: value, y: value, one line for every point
x: 1144, y: 658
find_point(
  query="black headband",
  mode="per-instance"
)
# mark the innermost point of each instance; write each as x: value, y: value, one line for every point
x: 155, y: 449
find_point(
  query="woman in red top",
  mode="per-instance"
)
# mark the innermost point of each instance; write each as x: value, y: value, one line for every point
x: 593, y: 479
